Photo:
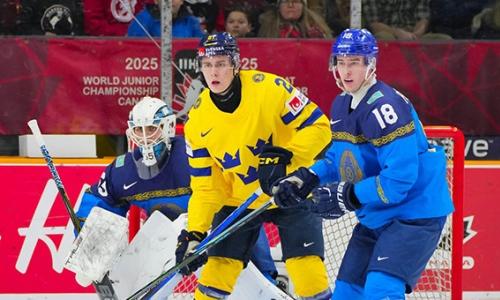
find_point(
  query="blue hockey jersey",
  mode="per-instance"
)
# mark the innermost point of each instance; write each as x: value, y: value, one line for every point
x: 120, y: 185
x: 381, y: 147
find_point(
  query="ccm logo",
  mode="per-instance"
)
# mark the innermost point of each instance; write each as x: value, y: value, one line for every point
x: 269, y: 160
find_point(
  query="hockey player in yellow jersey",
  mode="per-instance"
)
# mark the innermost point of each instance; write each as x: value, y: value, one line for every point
x: 250, y: 128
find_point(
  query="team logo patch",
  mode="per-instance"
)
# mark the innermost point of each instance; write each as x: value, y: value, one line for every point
x: 297, y: 103
x: 349, y: 168
x: 259, y: 77
x: 120, y: 161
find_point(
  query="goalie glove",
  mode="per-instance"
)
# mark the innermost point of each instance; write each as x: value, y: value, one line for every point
x: 335, y: 199
x: 186, y: 243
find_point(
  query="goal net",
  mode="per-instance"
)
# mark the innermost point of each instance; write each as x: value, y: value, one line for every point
x: 443, y: 275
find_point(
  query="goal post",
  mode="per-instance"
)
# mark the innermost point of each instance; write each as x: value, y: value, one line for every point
x: 456, y: 156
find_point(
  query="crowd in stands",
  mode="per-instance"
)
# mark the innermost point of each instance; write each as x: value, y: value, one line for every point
x: 387, y: 19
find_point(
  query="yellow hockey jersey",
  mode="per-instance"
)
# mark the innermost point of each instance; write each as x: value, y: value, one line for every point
x: 224, y: 148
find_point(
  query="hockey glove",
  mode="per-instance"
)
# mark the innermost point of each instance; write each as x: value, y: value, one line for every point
x: 186, y: 242
x: 333, y: 200
x: 294, y: 188
x: 272, y: 166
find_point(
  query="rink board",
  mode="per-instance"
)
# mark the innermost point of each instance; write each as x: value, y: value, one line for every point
x: 35, y: 231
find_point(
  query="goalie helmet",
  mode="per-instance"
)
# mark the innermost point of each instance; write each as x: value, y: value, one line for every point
x: 151, y: 125
x: 221, y: 43
x: 354, y: 42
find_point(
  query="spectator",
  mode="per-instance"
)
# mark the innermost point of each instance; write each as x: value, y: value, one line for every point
x: 50, y: 17
x: 184, y: 25
x: 486, y: 24
x: 399, y: 19
x: 109, y: 17
x: 238, y: 22
x: 454, y: 17
x: 8, y: 15
x: 338, y: 14
x: 254, y: 9
x: 205, y: 11
x: 292, y: 19
x: 317, y: 6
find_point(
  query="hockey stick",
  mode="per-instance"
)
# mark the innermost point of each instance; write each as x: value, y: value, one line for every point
x: 146, y: 291
x: 104, y: 288
x: 175, y: 278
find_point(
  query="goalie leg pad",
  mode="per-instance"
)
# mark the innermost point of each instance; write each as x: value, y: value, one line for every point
x: 148, y: 255
x: 310, y: 283
x: 221, y: 273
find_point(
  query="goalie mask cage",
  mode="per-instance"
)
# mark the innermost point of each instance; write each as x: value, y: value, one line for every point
x: 442, y: 278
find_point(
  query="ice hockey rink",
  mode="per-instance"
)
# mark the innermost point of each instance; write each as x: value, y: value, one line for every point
x: 81, y: 89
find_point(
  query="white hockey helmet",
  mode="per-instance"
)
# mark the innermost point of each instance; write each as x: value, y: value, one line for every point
x: 151, y: 125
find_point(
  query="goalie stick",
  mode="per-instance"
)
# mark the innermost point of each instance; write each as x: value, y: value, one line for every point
x: 175, y: 278
x: 104, y: 288
x: 144, y: 292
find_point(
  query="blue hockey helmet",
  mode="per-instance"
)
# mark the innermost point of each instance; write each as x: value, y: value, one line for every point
x: 221, y: 43
x: 354, y: 42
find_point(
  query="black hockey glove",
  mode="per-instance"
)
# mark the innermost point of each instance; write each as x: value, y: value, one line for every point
x: 186, y: 242
x: 294, y: 188
x: 333, y: 200
x: 272, y: 166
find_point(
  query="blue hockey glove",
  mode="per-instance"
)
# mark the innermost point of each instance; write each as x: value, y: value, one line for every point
x: 272, y: 166
x: 293, y: 189
x: 186, y: 242
x: 333, y: 200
